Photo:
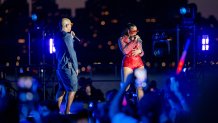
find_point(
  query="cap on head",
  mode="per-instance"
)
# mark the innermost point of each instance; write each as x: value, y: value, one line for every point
x: 65, y: 21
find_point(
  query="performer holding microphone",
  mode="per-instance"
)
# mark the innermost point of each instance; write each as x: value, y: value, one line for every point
x: 74, y: 36
x: 131, y: 46
x: 67, y: 68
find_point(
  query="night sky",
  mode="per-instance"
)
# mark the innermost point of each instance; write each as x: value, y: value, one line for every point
x: 206, y: 7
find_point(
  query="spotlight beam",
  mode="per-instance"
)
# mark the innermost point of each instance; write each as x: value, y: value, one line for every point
x: 182, y: 58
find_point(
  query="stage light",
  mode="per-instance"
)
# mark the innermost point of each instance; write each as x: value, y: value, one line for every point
x: 184, y: 70
x: 17, y: 63
x: 103, y: 23
x: 18, y: 58
x: 111, y: 63
x: 183, y: 57
x: 203, y: 47
x: 134, y: 95
x: 91, y: 105
x: 85, y: 44
x: 188, y: 13
x: 7, y: 64
x: 21, y: 70
x: 109, y: 43
x: 205, y: 43
x: 183, y: 10
x: 148, y: 64
x: 34, y: 17
x: 207, y: 47
x: 51, y: 46
x: 163, y: 64
x: 83, y: 69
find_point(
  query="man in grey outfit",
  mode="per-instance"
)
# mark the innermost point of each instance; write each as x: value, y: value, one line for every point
x: 67, y: 69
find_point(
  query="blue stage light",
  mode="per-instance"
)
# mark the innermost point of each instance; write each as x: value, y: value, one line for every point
x: 183, y: 10
x: 205, y: 43
x: 34, y: 17
x: 184, y: 70
x: 51, y: 46
x: 91, y: 105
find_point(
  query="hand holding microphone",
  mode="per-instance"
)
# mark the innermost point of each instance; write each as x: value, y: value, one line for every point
x: 73, y: 34
x: 134, y: 37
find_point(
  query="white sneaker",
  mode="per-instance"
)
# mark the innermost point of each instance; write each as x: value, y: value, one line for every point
x: 61, y: 113
x: 69, y: 113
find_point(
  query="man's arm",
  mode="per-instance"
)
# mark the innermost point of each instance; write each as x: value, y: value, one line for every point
x: 115, y: 104
x: 174, y: 86
x: 70, y: 47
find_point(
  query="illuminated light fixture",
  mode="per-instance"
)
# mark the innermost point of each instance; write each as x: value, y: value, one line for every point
x: 17, y: 63
x: 148, y: 64
x: 21, y: 41
x: 7, y: 64
x: 85, y: 44
x: 188, y: 13
x: 111, y: 63
x: 184, y: 69
x: 34, y: 17
x: 18, y: 58
x: 147, y: 20
x: 51, y: 46
x: 94, y: 35
x: 182, y: 58
x: 21, y: 70
x: 153, y: 20
x: 106, y: 13
x: 183, y: 10
x: 83, y: 69
x: 112, y: 47
x: 205, y: 43
x: 103, y: 23
x: 163, y: 64
x: 109, y: 43
x: 114, y: 21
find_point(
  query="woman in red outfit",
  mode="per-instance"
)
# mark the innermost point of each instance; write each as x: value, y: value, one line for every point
x: 131, y: 46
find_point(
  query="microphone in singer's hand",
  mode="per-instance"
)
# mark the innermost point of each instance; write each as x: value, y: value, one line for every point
x: 73, y: 34
x: 132, y: 38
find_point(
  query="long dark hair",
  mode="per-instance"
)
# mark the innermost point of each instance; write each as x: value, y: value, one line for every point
x: 128, y: 27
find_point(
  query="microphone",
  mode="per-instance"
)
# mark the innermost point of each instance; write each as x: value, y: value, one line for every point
x: 132, y: 38
x: 73, y: 34
x: 76, y: 38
